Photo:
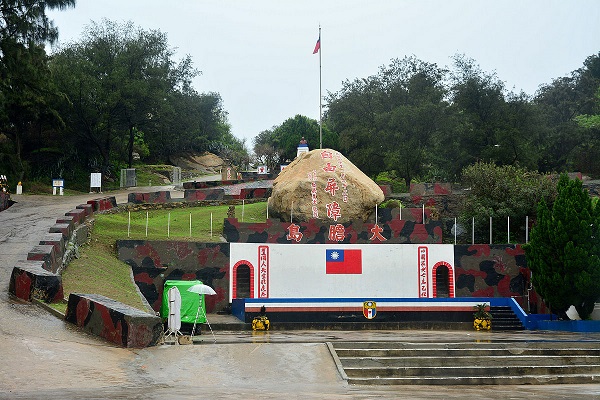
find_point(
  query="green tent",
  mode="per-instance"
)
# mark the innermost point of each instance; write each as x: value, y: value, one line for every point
x: 189, y: 301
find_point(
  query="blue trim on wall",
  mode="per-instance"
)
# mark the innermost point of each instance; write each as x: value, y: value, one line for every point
x: 529, y: 321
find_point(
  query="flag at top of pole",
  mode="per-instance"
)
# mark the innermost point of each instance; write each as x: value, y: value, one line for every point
x: 318, y: 50
x: 318, y: 45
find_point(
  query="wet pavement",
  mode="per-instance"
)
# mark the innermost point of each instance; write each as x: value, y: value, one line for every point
x: 43, y: 357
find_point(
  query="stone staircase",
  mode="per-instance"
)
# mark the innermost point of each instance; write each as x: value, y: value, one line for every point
x: 505, y: 319
x: 472, y: 363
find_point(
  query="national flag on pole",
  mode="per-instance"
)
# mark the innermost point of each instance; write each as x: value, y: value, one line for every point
x: 317, y: 46
x: 339, y: 261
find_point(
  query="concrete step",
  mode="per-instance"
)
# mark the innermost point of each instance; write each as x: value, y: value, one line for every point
x: 475, y: 352
x: 471, y: 371
x: 495, y: 380
x: 492, y: 361
x: 468, y: 363
x: 504, y: 319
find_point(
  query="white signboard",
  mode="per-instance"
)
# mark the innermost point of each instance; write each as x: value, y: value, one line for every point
x: 261, y: 169
x: 96, y: 180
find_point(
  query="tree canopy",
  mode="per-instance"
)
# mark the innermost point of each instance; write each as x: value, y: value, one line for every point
x: 564, y: 250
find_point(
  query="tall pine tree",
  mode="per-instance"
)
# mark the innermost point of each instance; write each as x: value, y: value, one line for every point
x: 563, y: 253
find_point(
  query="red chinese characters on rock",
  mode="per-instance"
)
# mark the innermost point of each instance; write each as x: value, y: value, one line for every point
x: 294, y: 233
x: 329, y: 168
x: 342, y: 178
x: 312, y: 177
x: 331, y: 186
x: 326, y: 154
x: 333, y: 210
x: 337, y: 232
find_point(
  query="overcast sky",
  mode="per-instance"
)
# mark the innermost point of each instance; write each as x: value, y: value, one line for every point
x: 258, y: 54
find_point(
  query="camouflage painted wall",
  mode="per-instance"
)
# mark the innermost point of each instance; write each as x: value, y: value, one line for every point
x: 114, y: 321
x: 30, y: 280
x: 163, y: 196
x: 102, y: 204
x: 394, y: 230
x: 153, y: 262
x: 483, y: 270
x: 203, y: 194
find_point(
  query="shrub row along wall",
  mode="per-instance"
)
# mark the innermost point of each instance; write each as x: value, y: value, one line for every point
x: 39, y: 278
x: 154, y: 262
x: 409, y: 229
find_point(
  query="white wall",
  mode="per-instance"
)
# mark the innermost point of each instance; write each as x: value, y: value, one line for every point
x: 299, y: 270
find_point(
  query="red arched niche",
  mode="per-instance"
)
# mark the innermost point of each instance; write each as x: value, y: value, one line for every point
x: 234, y: 278
x: 450, y: 278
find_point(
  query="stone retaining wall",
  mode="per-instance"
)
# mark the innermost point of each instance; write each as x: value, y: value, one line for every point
x: 154, y: 262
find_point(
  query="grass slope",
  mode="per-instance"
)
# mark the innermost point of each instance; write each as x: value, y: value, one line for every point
x: 98, y: 271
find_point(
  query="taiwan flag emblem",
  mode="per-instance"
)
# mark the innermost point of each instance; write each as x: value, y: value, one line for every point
x: 343, y: 261
x: 369, y: 309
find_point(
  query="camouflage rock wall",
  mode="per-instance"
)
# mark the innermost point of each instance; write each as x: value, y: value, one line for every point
x: 30, y: 280
x: 103, y: 204
x: 163, y: 196
x: 154, y: 262
x: 203, y: 194
x: 393, y: 230
x: 491, y: 271
x: 429, y: 189
x: 114, y: 321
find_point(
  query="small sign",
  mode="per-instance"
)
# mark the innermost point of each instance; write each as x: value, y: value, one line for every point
x: 261, y: 169
x: 58, y: 183
x: 95, y: 180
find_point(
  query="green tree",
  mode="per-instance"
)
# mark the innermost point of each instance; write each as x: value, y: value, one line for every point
x: 489, y: 124
x: 119, y: 80
x: 502, y: 192
x: 389, y: 121
x: 565, y: 144
x: 280, y: 144
x: 563, y: 253
x: 27, y: 96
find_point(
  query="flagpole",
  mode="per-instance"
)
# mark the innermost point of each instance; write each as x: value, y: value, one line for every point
x: 320, y: 95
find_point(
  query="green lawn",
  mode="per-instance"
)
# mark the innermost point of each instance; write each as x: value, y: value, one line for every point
x: 98, y: 271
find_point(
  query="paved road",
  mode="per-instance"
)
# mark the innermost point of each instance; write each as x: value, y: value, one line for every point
x: 43, y: 357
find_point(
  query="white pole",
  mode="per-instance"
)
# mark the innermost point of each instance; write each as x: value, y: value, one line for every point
x: 169, y: 226
x: 320, y: 95
x: 508, y: 222
x: 473, y: 231
x: 211, y: 224
x: 190, y: 224
x: 400, y: 211
x: 129, y: 224
x: 423, y: 221
x: 527, y: 229
x: 292, y: 213
x: 490, y: 230
x: 268, y: 208
x: 376, y: 214
x: 243, y: 204
x: 455, y: 229
x: 146, y: 223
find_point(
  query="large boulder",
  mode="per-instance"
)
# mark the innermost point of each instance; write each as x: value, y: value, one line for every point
x: 325, y: 185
